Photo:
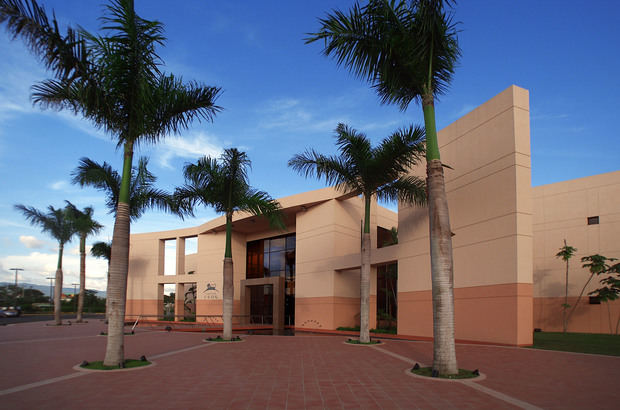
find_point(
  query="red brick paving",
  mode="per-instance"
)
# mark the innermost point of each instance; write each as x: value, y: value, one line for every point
x: 280, y: 372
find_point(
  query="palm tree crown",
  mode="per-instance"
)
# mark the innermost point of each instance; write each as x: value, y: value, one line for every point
x: 143, y: 195
x: 407, y: 49
x: 363, y: 169
x: 57, y: 221
x: 224, y: 186
x: 101, y: 250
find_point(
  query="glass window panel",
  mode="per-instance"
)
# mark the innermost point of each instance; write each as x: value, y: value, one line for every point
x: 290, y: 242
x: 277, y: 244
x: 266, y: 264
x: 277, y: 261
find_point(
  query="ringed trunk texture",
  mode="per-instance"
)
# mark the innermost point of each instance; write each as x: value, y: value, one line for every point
x: 442, y: 273
x: 228, y: 295
x: 117, y: 287
x: 365, y: 289
x: 107, y: 299
x: 82, y: 280
x: 58, y: 288
x: 57, y: 296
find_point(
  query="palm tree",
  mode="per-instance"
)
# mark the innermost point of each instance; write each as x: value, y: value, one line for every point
x: 59, y: 224
x: 224, y: 186
x: 103, y: 250
x: 114, y: 81
x: 408, y: 51
x: 84, y: 225
x: 379, y: 172
x: 566, y: 252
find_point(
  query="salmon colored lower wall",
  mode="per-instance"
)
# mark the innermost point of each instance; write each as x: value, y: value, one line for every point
x: 587, y: 318
x: 331, y: 312
x: 143, y: 307
x: 493, y: 314
x: 214, y: 307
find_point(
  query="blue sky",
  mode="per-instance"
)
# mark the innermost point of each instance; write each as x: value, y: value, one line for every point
x: 281, y: 96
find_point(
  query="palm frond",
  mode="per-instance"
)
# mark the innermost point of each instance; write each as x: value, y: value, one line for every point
x: 261, y: 204
x: 56, y: 222
x: 407, y: 189
x: 82, y: 220
x: 405, y: 49
x: 66, y: 55
x: 102, y: 250
x: 178, y: 104
x: 100, y: 176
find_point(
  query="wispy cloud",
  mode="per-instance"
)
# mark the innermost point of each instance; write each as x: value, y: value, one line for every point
x: 32, y: 242
x: 465, y: 109
x: 295, y: 115
x: 59, y: 185
x: 190, y: 147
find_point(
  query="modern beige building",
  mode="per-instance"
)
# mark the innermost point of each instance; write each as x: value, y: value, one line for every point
x: 307, y: 277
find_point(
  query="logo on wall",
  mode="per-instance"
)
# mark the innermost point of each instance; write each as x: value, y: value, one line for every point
x: 211, y: 291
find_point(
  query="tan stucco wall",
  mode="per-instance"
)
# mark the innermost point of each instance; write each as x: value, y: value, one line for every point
x: 489, y: 194
x: 560, y: 212
x: 506, y: 236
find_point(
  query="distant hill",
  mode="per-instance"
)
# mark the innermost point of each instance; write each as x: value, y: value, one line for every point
x: 46, y: 289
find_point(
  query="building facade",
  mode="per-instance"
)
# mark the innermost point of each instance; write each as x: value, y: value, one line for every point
x: 307, y: 276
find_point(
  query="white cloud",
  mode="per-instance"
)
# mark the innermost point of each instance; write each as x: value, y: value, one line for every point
x: 31, y: 242
x: 191, y: 147
x: 59, y: 185
x: 39, y: 265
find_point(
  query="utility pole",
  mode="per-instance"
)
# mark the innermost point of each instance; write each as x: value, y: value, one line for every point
x: 51, y: 278
x: 16, y: 270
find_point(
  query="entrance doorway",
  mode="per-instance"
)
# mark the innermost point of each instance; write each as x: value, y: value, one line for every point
x: 387, y: 291
x: 261, y: 304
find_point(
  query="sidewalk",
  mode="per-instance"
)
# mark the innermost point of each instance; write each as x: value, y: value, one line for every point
x: 303, y: 371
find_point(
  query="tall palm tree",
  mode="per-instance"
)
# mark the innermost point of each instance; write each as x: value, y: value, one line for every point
x: 566, y: 253
x: 379, y: 172
x: 408, y: 50
x: 103, y: 250
x: 59, y: 224
x: 84, y: 225
x: 224, y: 186
x: 114, y: 81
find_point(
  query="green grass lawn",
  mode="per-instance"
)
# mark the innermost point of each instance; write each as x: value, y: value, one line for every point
x: 578, y: 342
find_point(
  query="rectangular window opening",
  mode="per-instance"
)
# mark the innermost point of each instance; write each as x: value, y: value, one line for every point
x: 593, y: 220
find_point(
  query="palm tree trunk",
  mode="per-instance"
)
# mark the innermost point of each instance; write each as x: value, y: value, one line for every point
x: 365, y: 276
x: 119, y: 265
x: 565, y: 307
x: 442, y: 268
x: 228, y: 292
x: 82, y: 278
x: 58, y: 288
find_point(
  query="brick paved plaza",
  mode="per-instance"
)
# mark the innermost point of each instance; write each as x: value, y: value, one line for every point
x: 302, y: 371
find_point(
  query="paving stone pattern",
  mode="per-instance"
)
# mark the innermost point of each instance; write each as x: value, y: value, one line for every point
x: 285, y: 372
